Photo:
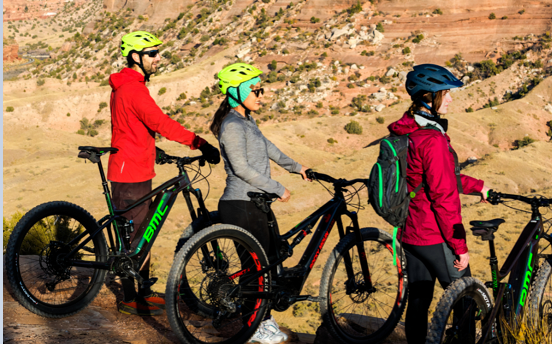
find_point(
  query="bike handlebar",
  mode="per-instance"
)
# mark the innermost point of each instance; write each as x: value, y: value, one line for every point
x: 338, y: 183
x: 169, y: 159
x: 495, y: 197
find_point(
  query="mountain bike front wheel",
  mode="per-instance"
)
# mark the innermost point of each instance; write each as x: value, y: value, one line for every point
x: 354, y: 313
x: 461, y: 314
x: 204, y: 301
x: 42, y: 277
x: 540, y: 299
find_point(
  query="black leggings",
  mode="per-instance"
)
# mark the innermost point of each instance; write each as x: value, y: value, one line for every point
x: 424, y: 264
x: 246, y: 215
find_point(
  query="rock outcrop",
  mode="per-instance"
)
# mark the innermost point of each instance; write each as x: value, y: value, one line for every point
x: 11, y: 49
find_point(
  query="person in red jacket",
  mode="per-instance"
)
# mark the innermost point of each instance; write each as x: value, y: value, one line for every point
x: 135, y: 118
x: 433, y: 238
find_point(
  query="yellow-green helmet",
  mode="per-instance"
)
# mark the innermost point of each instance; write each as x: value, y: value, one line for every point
x: 138, y: 40
x: 235, y: 74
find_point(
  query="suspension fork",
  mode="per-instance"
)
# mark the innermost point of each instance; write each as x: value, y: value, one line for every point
x: 361, y: 252
x: 346, y: 256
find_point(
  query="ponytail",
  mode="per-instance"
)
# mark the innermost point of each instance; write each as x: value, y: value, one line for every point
x: 221, y: 113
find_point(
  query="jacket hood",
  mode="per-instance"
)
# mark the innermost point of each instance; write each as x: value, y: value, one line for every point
x: 125, y: 76
x: 403, y: 126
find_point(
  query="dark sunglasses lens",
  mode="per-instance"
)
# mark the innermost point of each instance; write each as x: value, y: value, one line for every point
x: 152, y: 53
x: 258, y: 92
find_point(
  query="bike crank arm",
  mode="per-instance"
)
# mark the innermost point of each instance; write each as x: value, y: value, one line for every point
x: 255, y: 275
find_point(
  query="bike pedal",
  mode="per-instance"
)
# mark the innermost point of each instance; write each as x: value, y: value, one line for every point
x: 149, y: 283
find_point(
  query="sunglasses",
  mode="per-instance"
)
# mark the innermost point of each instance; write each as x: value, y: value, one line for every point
x: 258, y: 92
x: 151, y: 53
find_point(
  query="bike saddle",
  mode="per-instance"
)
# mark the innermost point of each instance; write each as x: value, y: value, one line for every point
x: 487, y: 224
x: 98, y: 150
x: 93, y: 153
x: 262, y: 195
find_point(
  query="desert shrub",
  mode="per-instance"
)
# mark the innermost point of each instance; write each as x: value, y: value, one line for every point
x: 353, y: 127
x: 319, y: 105
x: 314, y: 20
x: 385, y: 79
x: 80, y: 132
x: 505, y: 17
x: 273, y: 65
x: 380, y: 120
x: 9, y: 225
x: 380, y: 28
x: 9, y: 109
x: 406, y: 51
x: 492, y: 16
x: 162, y: 90
x: 182, y: 96
x: 418, y: 38
x: 351, y: 85
x: 521, y: 12
x: 102, y: 106
x: 527, y: 140
x: 312, y: 112
x: 331, y: 141
x: 40, y: 82
x: 68, y: 114
x: 438, y: 11
x: 470, y: 109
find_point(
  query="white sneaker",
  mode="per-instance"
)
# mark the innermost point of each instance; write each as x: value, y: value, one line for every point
x: 268, y: 333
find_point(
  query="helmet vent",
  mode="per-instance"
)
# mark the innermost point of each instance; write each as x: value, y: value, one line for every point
x: 411, y: 85
x: 243, y: 73
x: 446, y: 77
x: 435, y: 81
x: 147, y: 40
x: 421, y: 75
x: 138, y: 36
x: 431, y: 69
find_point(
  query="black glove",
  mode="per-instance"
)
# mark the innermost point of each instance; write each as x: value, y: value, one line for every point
x: 159, y: 156
x: 210, y: 153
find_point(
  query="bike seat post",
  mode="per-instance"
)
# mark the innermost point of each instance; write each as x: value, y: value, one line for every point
x: 492, y: 249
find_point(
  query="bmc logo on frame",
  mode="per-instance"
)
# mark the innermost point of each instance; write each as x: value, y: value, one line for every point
x: 155, y: 221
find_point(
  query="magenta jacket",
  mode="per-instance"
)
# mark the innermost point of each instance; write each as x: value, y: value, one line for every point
x: 434, y: 215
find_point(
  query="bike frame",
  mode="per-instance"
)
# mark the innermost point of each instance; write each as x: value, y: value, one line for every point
x: 522, y: 265
x: 165, y: 196
x: 331, y: 213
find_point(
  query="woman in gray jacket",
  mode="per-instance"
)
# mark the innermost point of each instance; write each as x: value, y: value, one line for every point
x: 246, y: 154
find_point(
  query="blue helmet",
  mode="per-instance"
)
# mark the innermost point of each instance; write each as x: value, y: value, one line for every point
x: 430, y: 78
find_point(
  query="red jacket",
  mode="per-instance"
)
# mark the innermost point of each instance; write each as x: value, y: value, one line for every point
x: 135, y: 118
x: 434, y: 214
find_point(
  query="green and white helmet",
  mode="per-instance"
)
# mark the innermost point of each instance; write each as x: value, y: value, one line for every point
x: 138, y: 41
x: 235, y: 74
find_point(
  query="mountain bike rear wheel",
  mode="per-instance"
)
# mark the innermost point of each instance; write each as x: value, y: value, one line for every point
x: 461, y: 314
x: 354, y: 314
x: 44, y: 281
x: 200, y: 303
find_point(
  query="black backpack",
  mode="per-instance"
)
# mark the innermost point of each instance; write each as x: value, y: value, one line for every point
x: 387, y: 188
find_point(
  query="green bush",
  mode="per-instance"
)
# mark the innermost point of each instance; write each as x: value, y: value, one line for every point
x: 418, y: 38
x: 314, y: 20
x: 380, y: 120
x: 353, y: 127
x: 68, y: 114
x: 102, y: 106
x: 9, y: 225
x: 492, y: 16
x: 80, y: 132
x: 406, y: 51
x: 182, y: 96
x: 9, y: 109
x: 438, y: 11
x: 319, y: 105
x: 162, y: 90
x: 470, y: 109
x: 380, y: 28
x: 524, y: 142
x: 40, y: 82
x: 331, y: 141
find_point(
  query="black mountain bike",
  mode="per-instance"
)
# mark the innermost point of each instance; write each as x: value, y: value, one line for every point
x: 222, y: 282
x: 466, y: 314
x: 57, y: 257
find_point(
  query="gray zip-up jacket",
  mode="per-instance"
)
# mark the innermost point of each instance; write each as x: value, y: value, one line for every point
x: 246, y: 153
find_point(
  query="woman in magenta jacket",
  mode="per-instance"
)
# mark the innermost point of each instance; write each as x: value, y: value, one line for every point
x: 434, y: 238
